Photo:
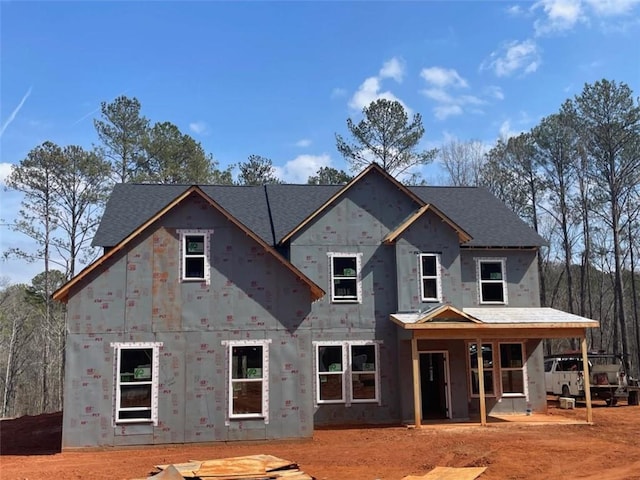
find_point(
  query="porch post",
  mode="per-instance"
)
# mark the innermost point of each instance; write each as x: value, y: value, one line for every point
x: 585, y: 378
x: 483, y: 403
x: 417, y: 399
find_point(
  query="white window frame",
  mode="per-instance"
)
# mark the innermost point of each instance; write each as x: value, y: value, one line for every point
x: 153, y: 382
x: 437, y: 277
x: 525, y: 383
x: 264, y: 413
x: 358, y: 278
x: 503, y: 265
x: 206, y: 255
x: 494, y: 371
x: 346, y: 372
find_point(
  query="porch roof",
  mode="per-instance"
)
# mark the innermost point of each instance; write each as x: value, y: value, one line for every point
x: 541, y: 322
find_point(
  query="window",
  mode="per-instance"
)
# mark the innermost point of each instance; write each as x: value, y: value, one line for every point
x: 347, y: 372
x: 487, y: 365
x: 512, y: 369
x: 194, y: 252
x: 430, y: 280
x: 491, y: 274
x: 248, y: 377
x: 136, y: 385
x: 345, y: 277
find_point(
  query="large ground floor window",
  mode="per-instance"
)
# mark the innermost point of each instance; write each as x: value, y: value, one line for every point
x: 503, y: 365
x: 136, y: 367
x: 248, y: 376
x: 347, y: 372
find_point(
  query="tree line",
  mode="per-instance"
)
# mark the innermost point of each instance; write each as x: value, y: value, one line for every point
x: 574, y: 177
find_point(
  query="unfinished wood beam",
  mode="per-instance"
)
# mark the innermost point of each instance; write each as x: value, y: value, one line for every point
x: 417, y: 394
x: 483, y: 401
x: 586, y: 379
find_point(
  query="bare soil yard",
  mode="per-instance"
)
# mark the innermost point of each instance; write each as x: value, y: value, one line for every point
x: 607, y: 450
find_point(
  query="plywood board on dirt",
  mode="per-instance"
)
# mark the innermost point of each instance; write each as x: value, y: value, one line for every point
x: 449, y: 473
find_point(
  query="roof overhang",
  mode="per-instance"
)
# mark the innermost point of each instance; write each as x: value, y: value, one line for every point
x: 495, y: 322
x: 62, y: 294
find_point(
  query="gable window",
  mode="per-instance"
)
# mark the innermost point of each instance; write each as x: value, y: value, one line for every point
x: 195, y: 254
x: 430, y: 278
x: 345, y: 277
x: 487, y: 365
x: 512, y: 369
x: 136, y: 382
x: 492, y: 282
x: 347, y: 372
x: 248, y: 378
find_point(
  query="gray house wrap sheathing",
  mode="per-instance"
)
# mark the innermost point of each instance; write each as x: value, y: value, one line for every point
x: 224, y: 313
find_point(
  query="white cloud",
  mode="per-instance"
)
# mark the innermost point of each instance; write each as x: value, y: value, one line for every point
x: 199, y: 128
x: 445, y: 111
x: 5, y: 170
x: 302, y: 167
x: 438, y: 94
x: 559, y: 15
x: 611, y: 8
x: 495, y: 92
x: 13, y: 114
x: 393, y: 68
x: 515, y: 10
x: 304, y: 142
x: 443, y: 77
x: 514, y: 57
x: 369, y: 92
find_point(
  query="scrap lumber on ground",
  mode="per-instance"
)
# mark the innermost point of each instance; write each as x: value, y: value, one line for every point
x: 449, y: 473
x: 251, y: 467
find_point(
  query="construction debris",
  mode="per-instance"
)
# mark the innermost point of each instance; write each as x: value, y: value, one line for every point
x: 251, y: 467
x: 449, y: 473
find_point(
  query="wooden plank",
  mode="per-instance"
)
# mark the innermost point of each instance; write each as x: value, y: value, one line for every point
x: 587, y: 380
x: 483, y: 401
x: 417, y: 394
x: 449, y: 473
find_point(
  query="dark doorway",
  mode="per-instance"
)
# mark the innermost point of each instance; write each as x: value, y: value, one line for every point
x: 433, y: 385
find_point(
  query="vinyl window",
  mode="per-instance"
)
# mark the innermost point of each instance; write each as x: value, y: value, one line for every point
x: 347, y: 372
x: 488, y: 369
x: 492, y: 281
x: 345, y: 279
x: 248, y: 378
x: 512, y: 374
x: 195, y: 254
x: 136, y: 382
x: 430, y: 277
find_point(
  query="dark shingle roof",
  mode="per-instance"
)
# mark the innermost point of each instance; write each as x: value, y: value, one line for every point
x: 476, y: 210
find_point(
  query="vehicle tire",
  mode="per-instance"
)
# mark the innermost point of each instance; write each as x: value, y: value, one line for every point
x: 611, y: 402
x: 565, y: 391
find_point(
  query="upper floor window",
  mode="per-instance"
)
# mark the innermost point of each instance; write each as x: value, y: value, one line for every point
x: 345, y: 277
x: 248, y: 378
x: 430, y: 278
x: 136, y: 386
x: 492, y: 281
x: 347, y: 372
x: 195, y: 254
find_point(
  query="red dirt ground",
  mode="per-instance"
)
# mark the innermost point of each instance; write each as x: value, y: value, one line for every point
x: 607, y: 450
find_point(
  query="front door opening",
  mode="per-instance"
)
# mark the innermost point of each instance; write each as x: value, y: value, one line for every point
x: 434, y: 385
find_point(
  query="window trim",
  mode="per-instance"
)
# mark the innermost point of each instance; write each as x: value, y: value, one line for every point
x: 264, y: 414
x: 438, y: 277
x: 358, y: 277
x: 117, y: 383
x: 347, y: 371
x: 503, y: 281
x: 206, y: 233
x: 523, y: 369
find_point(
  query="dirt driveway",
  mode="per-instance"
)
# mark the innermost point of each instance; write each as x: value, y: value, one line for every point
x: 608, y: 450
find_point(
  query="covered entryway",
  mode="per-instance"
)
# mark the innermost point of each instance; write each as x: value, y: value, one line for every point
x: 434, y: 385
x: 477, y: 326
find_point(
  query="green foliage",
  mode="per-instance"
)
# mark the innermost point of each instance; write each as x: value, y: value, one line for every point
x: 122, y: 131
x: 329, y: 176
x: 257, y: 170
x: 385, y: 136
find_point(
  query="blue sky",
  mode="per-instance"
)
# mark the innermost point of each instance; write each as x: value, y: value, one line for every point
x: 279, y: 79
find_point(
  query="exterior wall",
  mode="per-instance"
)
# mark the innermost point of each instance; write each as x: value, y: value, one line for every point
x: 357, y: 223
x: 523, y: 288
x: 138, y: 297
x: 427, y: 235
